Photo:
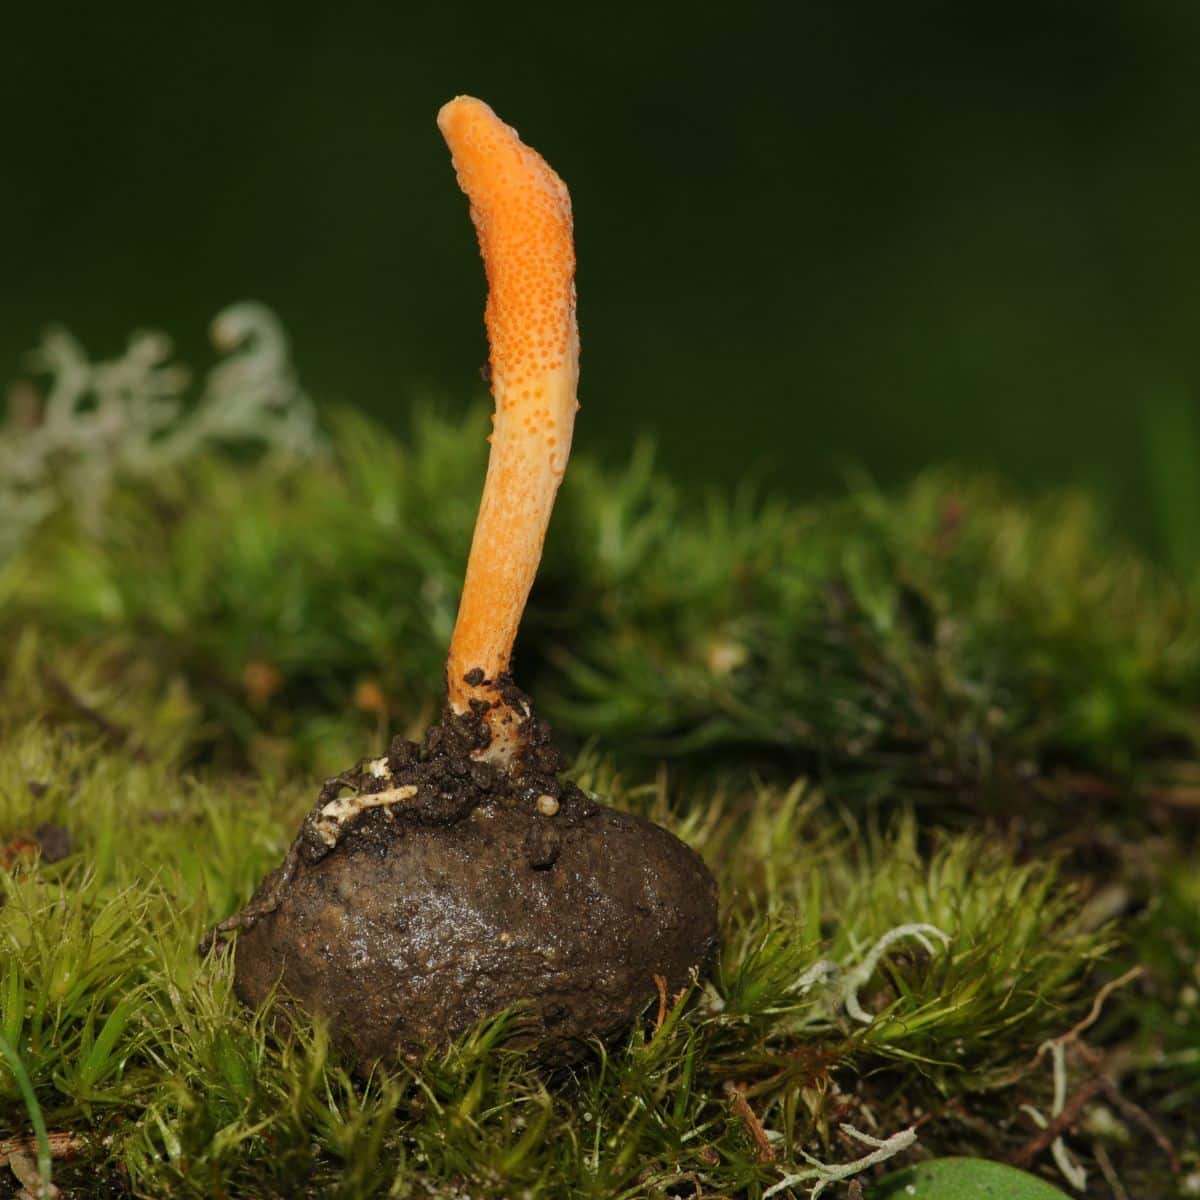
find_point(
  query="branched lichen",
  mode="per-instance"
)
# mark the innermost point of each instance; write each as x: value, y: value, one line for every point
x: 823, y: 1174
x: 95, y: 423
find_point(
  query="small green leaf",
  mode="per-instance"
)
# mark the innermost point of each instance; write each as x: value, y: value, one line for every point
x: 32, y: 1107
x: 12, y: 1003
x: 101, y: 1058
x: 964, y: 1179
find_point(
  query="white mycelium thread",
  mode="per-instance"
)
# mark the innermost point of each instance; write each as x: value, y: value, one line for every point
x: 337, y: 812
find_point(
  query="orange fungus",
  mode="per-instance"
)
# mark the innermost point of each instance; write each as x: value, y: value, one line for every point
x: 522, y: 215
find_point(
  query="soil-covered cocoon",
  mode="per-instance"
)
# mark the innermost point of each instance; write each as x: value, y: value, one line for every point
x: 427, y: 890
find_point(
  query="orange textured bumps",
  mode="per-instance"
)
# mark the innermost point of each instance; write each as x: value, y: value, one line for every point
x: 522, y: 214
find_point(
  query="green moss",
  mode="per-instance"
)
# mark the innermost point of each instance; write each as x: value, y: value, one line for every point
x: 990, y: 706
x: 136, y: 1045
x: 946, y: 640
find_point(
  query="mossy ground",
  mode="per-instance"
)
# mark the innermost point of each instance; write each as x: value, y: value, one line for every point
x: 946, y: 708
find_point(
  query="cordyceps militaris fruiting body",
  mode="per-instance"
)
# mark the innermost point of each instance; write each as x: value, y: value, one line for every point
x: 449, y: 880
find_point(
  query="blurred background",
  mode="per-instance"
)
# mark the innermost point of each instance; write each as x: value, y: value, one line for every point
x: 874, y: 234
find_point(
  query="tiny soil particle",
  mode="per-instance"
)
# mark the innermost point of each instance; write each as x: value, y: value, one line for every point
x: 428, y: 914
x: 55, y: 842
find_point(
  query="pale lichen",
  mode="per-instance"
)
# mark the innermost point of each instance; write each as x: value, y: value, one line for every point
x: 91, y: 424
x: 822, y: 1174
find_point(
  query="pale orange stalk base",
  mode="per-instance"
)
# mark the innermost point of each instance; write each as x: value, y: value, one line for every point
x: 522, y: 214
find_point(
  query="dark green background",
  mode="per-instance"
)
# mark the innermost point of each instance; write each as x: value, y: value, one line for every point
x: 887, y: 233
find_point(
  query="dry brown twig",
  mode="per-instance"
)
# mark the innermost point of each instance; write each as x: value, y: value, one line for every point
x: 1072, y: 1035
x: 62, y: 1145
x: 742, y: 1110
x: 20, y: 1156
x: 1058, y: 1124
x: 660, y: 982
x: 1102, y: 1081
x: 1109, y: 1075
x: 1099, y: 1001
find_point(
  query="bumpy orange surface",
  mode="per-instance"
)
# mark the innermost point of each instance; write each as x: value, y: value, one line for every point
x: 522, y: 214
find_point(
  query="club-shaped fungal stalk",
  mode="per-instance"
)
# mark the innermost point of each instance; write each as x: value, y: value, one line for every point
x: 522, y: 214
